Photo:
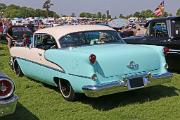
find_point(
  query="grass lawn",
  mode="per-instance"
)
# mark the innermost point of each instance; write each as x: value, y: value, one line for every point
x: 38, y: 101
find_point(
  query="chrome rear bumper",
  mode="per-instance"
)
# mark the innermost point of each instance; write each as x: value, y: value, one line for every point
x: 121, y: 86
x: 8, y: 106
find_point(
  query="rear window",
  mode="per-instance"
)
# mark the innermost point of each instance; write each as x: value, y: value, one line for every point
x: 18, y: 29
x: 90, y: 38
x: 158, y: 29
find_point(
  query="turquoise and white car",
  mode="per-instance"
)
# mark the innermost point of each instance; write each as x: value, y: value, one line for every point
x: 90, y: 59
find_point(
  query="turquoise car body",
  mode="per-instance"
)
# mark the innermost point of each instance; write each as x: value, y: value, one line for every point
x: 111, y: 69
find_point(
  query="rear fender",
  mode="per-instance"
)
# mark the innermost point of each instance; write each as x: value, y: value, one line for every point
x: 159, y: 50
x: 72, y: 63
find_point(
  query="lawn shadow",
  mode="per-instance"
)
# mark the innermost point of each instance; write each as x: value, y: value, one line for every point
x: 109, y: 102
x: 21, y: 113
x: 140, y: 96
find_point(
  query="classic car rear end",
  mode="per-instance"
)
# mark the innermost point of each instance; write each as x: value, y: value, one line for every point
x: 90, y: 59
x: 125, y: 71
x: 8, y: 100
x: 112, y: 71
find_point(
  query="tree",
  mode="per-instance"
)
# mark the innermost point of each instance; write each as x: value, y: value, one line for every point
x: 137, y: 14
x: 2, y: 6
x: 109, y: 17
x: 165, y: 14
x: 147, y: 13
x: 104, y: 16
x: 88, y: 15
x: 99, y: 15
x: 83, y: 14
x: 47, y: 5
x: 13, y: 11
x: 73, y: 15
x: 178, y: 12
x: 121, y: 16
x: 93, y: 16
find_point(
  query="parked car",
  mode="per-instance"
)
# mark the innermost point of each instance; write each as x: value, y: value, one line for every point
x: 18, y: 32
x: 162, y: 32
x: 90, y: 59
x: 8, y: 100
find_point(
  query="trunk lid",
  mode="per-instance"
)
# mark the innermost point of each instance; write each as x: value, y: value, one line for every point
x: 120, y: 59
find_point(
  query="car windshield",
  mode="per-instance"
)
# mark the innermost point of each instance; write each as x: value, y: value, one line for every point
x: 90, y: 38
x: 17, y: 29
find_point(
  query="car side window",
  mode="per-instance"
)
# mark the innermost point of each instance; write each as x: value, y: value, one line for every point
x: 72, y: 40
x: 44, y: 41
x: 158, y: 29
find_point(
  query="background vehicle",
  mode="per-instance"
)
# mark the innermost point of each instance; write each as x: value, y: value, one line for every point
x: 18, y: 32
x: 162, y: 32
x: 8, y: 100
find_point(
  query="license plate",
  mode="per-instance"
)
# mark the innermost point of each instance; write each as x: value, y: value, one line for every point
x: 136, y: 83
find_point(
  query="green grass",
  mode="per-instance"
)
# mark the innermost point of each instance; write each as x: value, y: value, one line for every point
x: 38, y: 101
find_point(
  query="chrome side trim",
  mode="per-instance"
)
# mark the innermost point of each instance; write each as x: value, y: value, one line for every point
x: 80, y: 76
x: 8, y: 106
x: 121, y: 86
x: 42, y: 65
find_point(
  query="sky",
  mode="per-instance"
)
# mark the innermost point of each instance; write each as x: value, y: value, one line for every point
x: 116, y: 7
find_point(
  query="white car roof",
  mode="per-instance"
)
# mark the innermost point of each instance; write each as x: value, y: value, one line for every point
x: 59, y: 31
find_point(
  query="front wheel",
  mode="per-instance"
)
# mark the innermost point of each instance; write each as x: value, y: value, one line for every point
x: 67, y: 90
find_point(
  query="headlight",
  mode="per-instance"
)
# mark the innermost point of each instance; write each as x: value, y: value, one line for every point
x: 6, y: 88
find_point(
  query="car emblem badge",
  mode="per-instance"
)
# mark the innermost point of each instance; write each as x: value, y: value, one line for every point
x: 132, y: 65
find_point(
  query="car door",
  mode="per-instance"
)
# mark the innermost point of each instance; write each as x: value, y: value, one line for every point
x: 157, y: 33
x: 39, y: 66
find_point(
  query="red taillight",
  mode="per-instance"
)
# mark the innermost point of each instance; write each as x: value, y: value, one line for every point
x: 6, y: 88
x: 165, y: 50
x: 92, y: 58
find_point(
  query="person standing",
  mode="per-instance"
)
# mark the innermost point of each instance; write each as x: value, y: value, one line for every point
x: 31, y: 26
x: 41, y: 25
x: 1, y: 31
x: 9, y: 35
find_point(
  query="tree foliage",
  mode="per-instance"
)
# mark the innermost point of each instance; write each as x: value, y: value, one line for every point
x: 178, y: 12
x: 149, y: 13
x: 121, y: 16
x: 97, y: 15
x: 47, y: 5
x: 13, y: 11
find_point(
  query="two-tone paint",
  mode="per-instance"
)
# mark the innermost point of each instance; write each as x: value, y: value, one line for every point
x: 73, y: 64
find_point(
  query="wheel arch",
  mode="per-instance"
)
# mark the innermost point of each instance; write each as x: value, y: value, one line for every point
x: 56, y: 80
x: 15, y: 62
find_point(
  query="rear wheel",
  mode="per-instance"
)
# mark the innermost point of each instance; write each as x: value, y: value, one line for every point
x: 67, y: 90
x: 17, y: 69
